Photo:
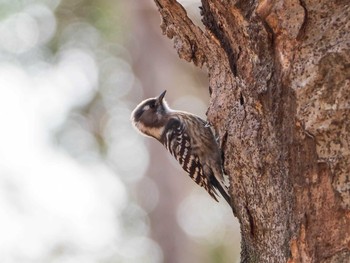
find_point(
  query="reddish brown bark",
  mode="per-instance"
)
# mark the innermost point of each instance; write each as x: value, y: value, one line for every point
x: 279, y: 82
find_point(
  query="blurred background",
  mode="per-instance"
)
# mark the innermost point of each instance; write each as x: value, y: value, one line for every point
x: 77, y: 182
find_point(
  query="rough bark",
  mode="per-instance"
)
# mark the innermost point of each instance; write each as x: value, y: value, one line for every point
x: 280, y: 103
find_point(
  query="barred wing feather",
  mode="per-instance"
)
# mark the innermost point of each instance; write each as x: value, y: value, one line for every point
x: 178, y: 143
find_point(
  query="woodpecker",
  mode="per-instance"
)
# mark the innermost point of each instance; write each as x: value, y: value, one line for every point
x: 188, y: 138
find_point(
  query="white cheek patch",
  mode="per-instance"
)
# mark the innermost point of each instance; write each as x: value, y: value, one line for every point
x: 155, y: 132
x: 146, y: 108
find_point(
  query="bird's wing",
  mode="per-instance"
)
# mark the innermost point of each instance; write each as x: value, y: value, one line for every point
x: 178, y: 142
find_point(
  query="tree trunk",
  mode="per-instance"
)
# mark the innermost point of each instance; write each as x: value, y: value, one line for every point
x: 279, y: 81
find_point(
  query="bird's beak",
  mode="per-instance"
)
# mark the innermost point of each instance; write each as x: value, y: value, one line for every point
x: 160, y: 97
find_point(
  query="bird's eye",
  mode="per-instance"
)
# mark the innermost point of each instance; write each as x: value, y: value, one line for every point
x: 152, y: 105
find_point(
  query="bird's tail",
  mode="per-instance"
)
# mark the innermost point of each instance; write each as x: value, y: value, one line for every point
x: 223, y: 189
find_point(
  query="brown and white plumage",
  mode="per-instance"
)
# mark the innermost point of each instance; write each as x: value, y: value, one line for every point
x: 187, y: 138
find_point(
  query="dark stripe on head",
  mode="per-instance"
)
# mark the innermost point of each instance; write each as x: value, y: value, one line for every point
x: 138, y: 114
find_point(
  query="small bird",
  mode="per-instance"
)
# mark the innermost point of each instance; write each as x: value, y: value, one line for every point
x: 188, y: 138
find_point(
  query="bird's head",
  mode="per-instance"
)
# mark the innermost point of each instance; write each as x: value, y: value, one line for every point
x: 151, y: 115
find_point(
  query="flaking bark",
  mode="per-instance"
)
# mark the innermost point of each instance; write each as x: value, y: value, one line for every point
x: 279, y: 80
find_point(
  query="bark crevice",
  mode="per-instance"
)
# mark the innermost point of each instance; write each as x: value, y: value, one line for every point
x: 277, y: 73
